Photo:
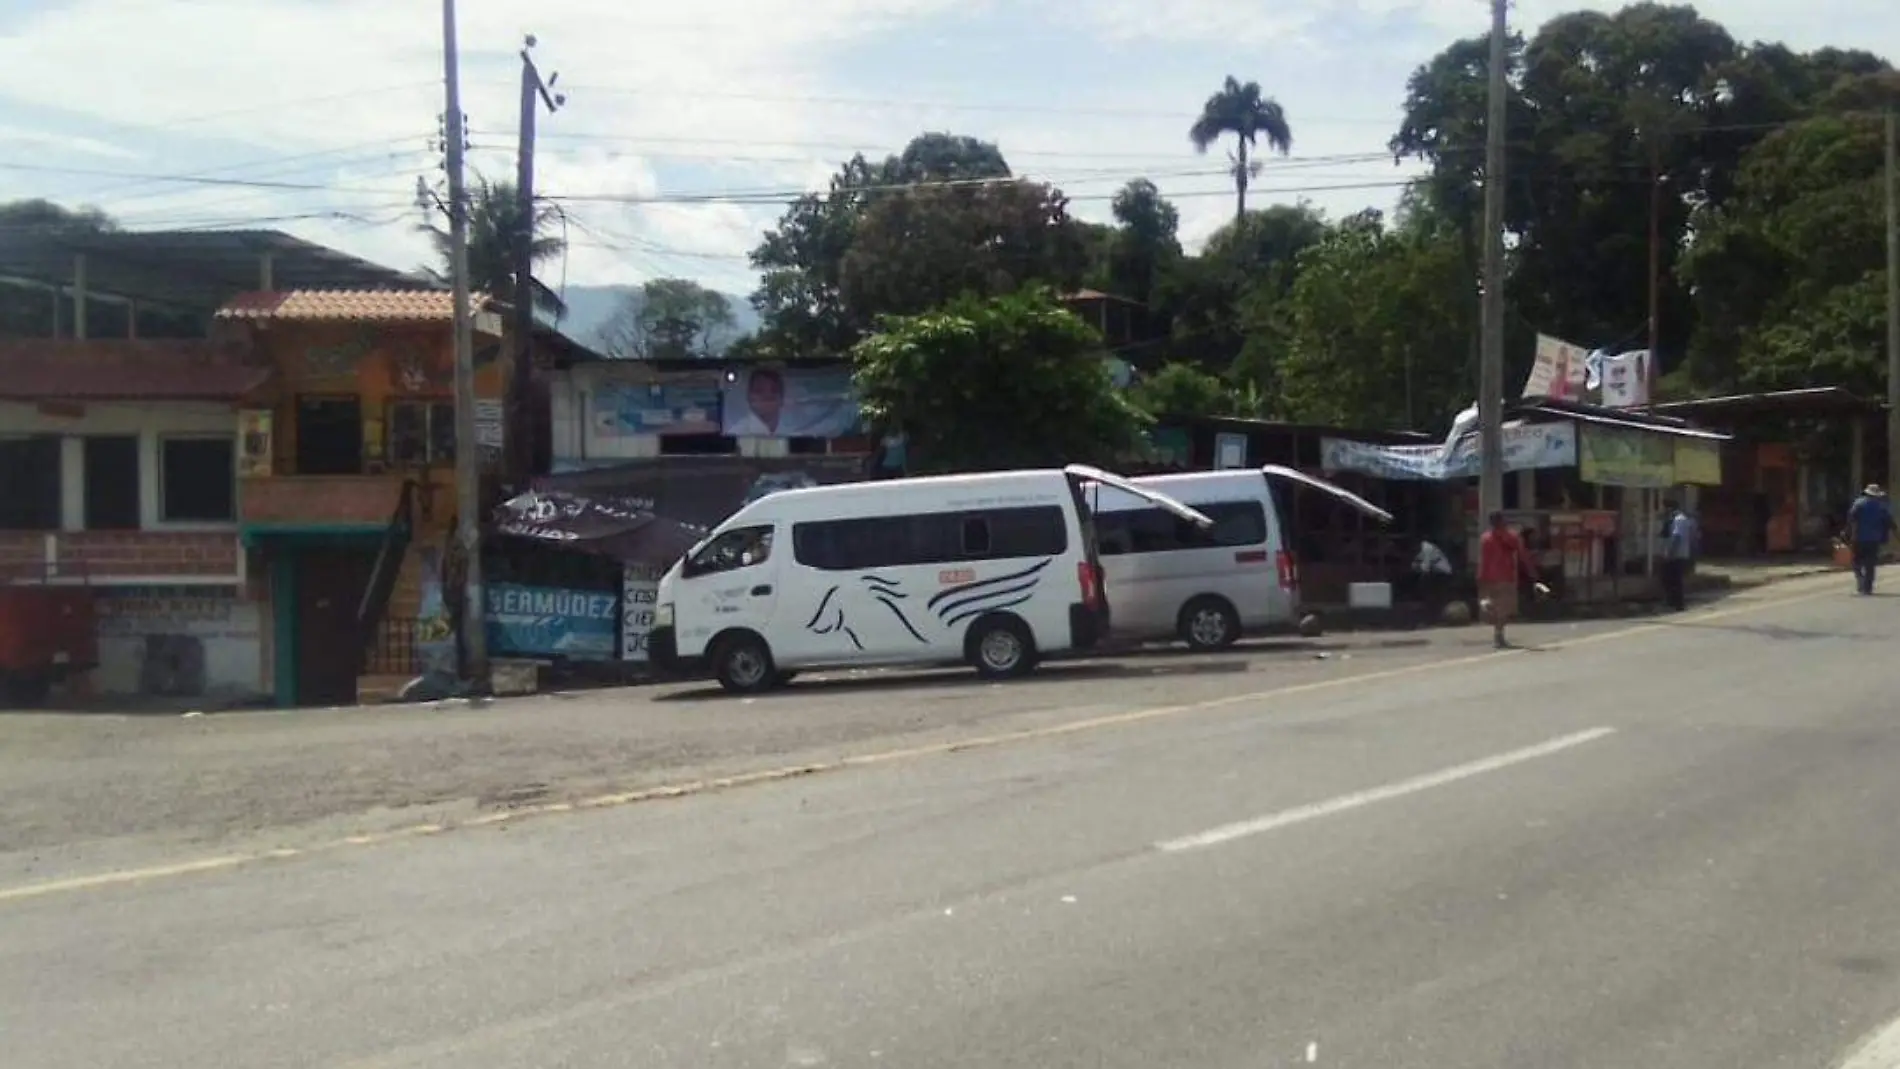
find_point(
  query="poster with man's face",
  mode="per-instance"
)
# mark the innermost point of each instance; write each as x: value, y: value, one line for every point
x: 790, y: 403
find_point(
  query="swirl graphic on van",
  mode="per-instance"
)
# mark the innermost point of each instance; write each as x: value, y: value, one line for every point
x: 830, y: 616
x: 966, y: 601
x: 841, y: 610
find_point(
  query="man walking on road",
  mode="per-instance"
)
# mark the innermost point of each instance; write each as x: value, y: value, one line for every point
x: 1678, y: 550
x: 1869, y: 522
x: 1501, y: 559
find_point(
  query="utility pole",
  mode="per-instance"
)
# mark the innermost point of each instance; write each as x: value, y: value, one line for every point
x: 473, y: 639
x: 1655, y: 266
x: 1491, y: 359
x: 519, y: 442
x: 1893, y: 302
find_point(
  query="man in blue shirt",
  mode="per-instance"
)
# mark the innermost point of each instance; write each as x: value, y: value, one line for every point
x: 1679, y: 538
x: 1869, y: 521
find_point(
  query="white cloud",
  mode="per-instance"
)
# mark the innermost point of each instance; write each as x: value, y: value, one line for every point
x: 734, y: 94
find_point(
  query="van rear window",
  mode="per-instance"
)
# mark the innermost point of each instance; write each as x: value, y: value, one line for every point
x: 1236, y: 523
x: 932, y: 538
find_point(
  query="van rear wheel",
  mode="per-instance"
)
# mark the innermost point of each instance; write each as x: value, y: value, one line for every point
x: 1209, y: 623
x: 743, y: 664
x: 1001, y: 647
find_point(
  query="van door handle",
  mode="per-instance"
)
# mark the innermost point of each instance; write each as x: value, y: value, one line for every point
x: 761, y: 591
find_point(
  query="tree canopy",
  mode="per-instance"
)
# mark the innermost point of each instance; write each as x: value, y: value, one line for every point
x: 988, y: 383
x: 495, y: 221
x: 669, y: 319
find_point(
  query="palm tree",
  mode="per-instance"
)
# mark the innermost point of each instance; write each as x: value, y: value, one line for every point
x: 494, y: 219
x: 1241, y: 110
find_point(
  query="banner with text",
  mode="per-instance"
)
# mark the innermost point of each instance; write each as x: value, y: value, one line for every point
x: 1527, y: 447
x: 532, y: 621
x: 639, y: 590
x: 627, y: 408
x: 1557, y: 371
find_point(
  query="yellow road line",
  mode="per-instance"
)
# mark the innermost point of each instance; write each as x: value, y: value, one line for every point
x: 881, y: 757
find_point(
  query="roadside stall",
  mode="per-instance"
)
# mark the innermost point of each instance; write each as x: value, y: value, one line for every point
x: 571, y: 582
x: 1583, y: 484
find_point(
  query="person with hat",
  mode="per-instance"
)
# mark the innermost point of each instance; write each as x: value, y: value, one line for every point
x: 1869, y: 522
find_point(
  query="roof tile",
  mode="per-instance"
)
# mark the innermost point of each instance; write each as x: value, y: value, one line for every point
x: 346, y: 306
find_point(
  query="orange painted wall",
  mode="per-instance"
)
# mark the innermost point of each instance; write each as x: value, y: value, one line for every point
x: 379, y: 364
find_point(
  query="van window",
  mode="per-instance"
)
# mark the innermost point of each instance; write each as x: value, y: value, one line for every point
x: 932, y: 538
x: 976, y: 536
x: 740, y: 547
x: 1236, y: 523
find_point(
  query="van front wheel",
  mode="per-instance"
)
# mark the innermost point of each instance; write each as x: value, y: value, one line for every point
x: 1001, y: 647
x: 743, y: 664
x: 1209, y: 623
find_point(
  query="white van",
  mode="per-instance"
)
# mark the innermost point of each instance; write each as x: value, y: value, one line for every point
x: 991, y: 569
x: 1206, y: 586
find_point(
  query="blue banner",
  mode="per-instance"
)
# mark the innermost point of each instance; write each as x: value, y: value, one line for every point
x: 790, y: 403
x: 534, y: 621
x: 623, y: 409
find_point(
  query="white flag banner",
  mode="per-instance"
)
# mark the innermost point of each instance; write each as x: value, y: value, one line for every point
x: 1461, y: 424
x: 1626, y: 379
x: 1593, y: 369
x: 1557, y: 371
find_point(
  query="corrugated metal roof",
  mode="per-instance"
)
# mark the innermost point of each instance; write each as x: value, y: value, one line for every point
x: 346, y: 306
x: 117, y: 369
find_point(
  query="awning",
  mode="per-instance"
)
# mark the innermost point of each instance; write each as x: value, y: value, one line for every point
x: 626, y: 529
x: 1642, y: 427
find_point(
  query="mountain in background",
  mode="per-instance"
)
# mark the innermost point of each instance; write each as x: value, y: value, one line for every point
x: 589, y: 308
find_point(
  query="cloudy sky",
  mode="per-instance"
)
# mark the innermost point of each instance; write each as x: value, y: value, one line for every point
x: 318, y: 116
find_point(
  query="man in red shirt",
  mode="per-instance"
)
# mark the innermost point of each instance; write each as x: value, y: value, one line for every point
x: 1501, y: 559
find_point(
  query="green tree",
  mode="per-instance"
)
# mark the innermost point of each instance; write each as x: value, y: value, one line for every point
x: 802, y: 296
x: 1789, y: 274
x: 994, y: 383
x: 917, y: 248
x: 1185, y: 390
x: 1222, y: 302
x: 669, y: 319
x: 1605, y: 108
x: 494, y: 222
x: 1374, y: 329
x: 1249, y: 115
x: 1146, y: 245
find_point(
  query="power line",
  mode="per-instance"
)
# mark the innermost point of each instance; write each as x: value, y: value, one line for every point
x: 272, y: 164
x: 869, y: 148
x: 278, y: 105
x: 1184, y: 116
x: 181, y: 179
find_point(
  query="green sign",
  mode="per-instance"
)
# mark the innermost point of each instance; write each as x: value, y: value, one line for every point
x: 1613, y: 456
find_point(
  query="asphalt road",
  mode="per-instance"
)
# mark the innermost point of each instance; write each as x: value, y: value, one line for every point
x: 1668, y: 847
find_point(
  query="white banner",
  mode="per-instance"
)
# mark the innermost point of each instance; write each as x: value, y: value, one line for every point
x: 1558, y: 370
x: 1626, y: 379
x: 1527, y: 447
x: 640, y: 588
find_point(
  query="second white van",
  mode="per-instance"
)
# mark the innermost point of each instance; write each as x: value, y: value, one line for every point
x: 994, y: 570
x: 1206, y: 585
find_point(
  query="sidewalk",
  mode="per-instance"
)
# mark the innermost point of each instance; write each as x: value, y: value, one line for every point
x: 1754, y: 572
